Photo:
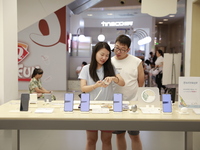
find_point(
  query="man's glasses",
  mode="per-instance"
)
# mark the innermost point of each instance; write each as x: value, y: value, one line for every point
x: 121, y: 50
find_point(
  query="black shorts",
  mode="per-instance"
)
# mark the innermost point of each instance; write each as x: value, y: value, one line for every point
x: 130, y: 132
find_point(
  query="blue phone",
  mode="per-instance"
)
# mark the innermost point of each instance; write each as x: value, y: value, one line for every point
x: 117, y: 102
x: 68, y: 102
x: 85, y: 102
x: 167, y: 103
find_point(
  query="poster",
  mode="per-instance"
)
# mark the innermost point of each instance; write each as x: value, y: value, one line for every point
x: 189, y: 92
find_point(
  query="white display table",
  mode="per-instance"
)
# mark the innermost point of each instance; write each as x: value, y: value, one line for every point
x: 12, y: 119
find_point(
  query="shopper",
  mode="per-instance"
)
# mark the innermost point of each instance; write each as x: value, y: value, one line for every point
x: 35, y: 85
x: 131, y: 70
x: 98, y: 78
x: 79, y: 68
x: 159, y: 65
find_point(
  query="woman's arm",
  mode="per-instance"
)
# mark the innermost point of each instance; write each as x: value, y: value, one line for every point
x: 120, y: 80
x: 88, y: 88
x: 41, y: 90
x: 117, y: 79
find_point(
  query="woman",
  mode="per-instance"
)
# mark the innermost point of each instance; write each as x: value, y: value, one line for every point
x: 159, y: 65
x: 97, y: 78
x: 35, y: 85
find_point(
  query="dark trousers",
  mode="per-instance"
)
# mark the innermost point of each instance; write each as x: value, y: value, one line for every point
x: 159, y: 82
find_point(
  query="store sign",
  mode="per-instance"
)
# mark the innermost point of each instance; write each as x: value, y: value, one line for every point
x: 117, y: 23
x: 24, y: 72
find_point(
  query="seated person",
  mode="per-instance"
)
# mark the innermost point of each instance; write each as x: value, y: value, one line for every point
x: 35, y: 85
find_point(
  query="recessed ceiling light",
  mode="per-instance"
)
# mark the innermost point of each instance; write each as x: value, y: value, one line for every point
x: 165, y: 19
x: 171, y: 15
x: 160, y: 22
x: 109, y: 14
x: 89, y: 15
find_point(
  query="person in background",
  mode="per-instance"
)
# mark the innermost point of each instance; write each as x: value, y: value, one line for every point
x: 98, y: 78
x: 131, y: 70
x: 159, y: 65
x: 35, y: 85
x: 152, y: 59
x: 79, y: 68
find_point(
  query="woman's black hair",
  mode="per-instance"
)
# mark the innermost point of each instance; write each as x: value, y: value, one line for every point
x: 160, y: 52
x: 108, y: 67
x: 36, y: 71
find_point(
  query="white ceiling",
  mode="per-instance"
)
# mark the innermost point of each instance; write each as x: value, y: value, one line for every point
x: 131, y: 8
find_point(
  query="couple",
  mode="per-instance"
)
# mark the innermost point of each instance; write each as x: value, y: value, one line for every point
x: 125, y: 73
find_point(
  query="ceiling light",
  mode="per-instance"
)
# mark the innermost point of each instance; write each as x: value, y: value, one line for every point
x: 101, y: 37
x: 160, y: 22
x: 89, y: 15
x: 171, y: 15
x: 109, y: 14
x: 165, y: 19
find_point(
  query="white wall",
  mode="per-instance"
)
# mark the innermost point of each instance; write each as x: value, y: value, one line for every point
x: 45, y: 51
x: 31, y: 11
x: 8, y: 50
x: 188, y: 36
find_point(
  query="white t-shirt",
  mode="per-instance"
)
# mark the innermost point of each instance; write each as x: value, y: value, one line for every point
x: 78, y: 69
x: 159, y: 62
x: 128, y: 69
x: 106, y: 93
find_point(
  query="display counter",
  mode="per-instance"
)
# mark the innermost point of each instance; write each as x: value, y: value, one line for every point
x: 13, y: 119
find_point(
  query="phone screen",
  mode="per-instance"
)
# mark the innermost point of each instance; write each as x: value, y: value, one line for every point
x: 85, y: 102
x: 167, y: 103
x: 68, y: 102
x: 24, y: 102
x: 117, y: 103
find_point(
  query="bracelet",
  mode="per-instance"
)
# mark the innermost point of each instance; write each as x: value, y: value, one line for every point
x: 117, y: 79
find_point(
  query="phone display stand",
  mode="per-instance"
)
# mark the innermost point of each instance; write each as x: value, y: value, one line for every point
x: 68, y: 112
x: 183, y: 111
x: 148, y: 96
x: 131, y: 112
x: 33, y: 98
x: 47, y: 97
x: 100, y: 110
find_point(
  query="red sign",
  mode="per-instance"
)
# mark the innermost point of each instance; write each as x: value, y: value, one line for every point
x: 22, y: 51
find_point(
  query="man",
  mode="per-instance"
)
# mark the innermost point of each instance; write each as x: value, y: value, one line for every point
x: 131, y: 70
x: 79, y: 68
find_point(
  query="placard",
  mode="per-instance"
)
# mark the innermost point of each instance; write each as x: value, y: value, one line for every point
x: 189, y: 92
x: 148, y: 96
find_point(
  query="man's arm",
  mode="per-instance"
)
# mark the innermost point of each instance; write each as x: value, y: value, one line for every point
x: 140, y: 75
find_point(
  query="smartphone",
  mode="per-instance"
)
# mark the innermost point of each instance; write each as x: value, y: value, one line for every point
x: 167, y: 103
x: 68, y: 102
x: 85, y: 102
x: 24, y: 102
x: 117, y: 102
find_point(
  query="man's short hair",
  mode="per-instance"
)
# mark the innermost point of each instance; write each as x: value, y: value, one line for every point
x: 84, y: 63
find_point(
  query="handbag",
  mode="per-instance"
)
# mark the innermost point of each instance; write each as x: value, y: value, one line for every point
x: 155, y: 71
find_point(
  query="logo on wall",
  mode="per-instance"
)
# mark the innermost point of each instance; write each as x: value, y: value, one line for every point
x: 22, y: 51
x: 24, y: 72
x: 50, y: 31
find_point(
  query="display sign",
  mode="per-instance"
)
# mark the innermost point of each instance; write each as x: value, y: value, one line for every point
x: 189, y: 92
x: 116, y: 23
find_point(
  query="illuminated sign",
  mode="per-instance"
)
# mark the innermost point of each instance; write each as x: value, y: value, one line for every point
x: 118, y: 23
